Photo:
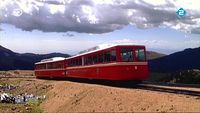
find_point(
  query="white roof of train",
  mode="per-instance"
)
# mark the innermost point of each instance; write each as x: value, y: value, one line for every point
x: 51, y: 60
x: 94, y: 49
x: 100, y: 47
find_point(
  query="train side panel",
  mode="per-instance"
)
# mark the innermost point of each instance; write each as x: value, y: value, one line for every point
x: 113, y: 71
x: 58, y: 73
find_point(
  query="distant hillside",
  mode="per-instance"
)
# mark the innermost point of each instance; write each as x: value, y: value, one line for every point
x: 153, y: 55
x: 10, y: 60
x: 183, y: 60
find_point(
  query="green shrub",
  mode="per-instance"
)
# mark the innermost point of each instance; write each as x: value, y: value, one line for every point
x: 34, y: 106
x: 186, y: 77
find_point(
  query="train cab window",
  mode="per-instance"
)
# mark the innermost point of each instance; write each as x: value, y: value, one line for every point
x: 126, y: 54
x: 140, y: 54
x: 113, y: 55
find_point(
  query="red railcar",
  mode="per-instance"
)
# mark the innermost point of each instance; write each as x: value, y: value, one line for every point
x: 119, y: 62
x: 50, y: 68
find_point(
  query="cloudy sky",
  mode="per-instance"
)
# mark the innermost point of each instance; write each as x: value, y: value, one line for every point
x: 70, y: 26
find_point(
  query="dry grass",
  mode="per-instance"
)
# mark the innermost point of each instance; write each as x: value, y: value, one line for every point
x: 17, y: 73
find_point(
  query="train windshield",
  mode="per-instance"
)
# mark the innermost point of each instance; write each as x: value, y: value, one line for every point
x: 140, y: 54
x: 126, y: 55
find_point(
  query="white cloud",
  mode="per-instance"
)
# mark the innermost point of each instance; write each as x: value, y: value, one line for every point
x: 48, y: 45
x: 99, y: 16
x: 148, y: 43
x: 159, y: 44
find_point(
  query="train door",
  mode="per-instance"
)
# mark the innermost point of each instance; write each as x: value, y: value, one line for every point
x: 65, y: 67
x: 140, y: 59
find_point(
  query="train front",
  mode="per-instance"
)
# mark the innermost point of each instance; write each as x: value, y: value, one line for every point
x: 132, y: 63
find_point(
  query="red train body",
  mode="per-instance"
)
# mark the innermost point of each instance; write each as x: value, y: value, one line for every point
x: 120, y: 62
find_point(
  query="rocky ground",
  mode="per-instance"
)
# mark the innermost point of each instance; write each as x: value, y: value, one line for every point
x: 77, y: 96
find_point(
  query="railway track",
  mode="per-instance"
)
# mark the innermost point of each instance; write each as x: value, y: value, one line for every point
x: 192, y: 90
x: 169, y: 89
x: 173, y: 84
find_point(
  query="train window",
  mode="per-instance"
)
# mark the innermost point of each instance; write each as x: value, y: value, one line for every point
x: 101, y: 58
x: 44, y: 66
x: 85, y: 60
x: 70, y: 62
x: 41, y: 66
x: 95, y: 59
x: 140, y: 55
x: 79, y: 62
x: 75, y: 62
x: 38, y: 66
x: 49, y: 66
x: 113, y: 55
x: 57, y: 65
x: 88, y: 60
x: 61, y: 65
x: 54, y: 65
x: 107, y: 56
x: 126, y: 54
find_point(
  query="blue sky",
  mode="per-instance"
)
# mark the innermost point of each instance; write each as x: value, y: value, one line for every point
x: 158, y: 39
x: 81, y: 30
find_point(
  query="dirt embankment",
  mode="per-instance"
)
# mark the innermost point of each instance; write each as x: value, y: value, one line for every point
x: 66, y: 96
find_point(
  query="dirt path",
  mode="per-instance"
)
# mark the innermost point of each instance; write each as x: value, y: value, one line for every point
x: 67, y: 96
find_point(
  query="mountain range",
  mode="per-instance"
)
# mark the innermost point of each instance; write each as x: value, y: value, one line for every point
x: 153, y: 55
x: 10, y: 60
x: 179, y: 61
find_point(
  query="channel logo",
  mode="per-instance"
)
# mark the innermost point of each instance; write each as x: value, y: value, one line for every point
x: 181, y: 12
